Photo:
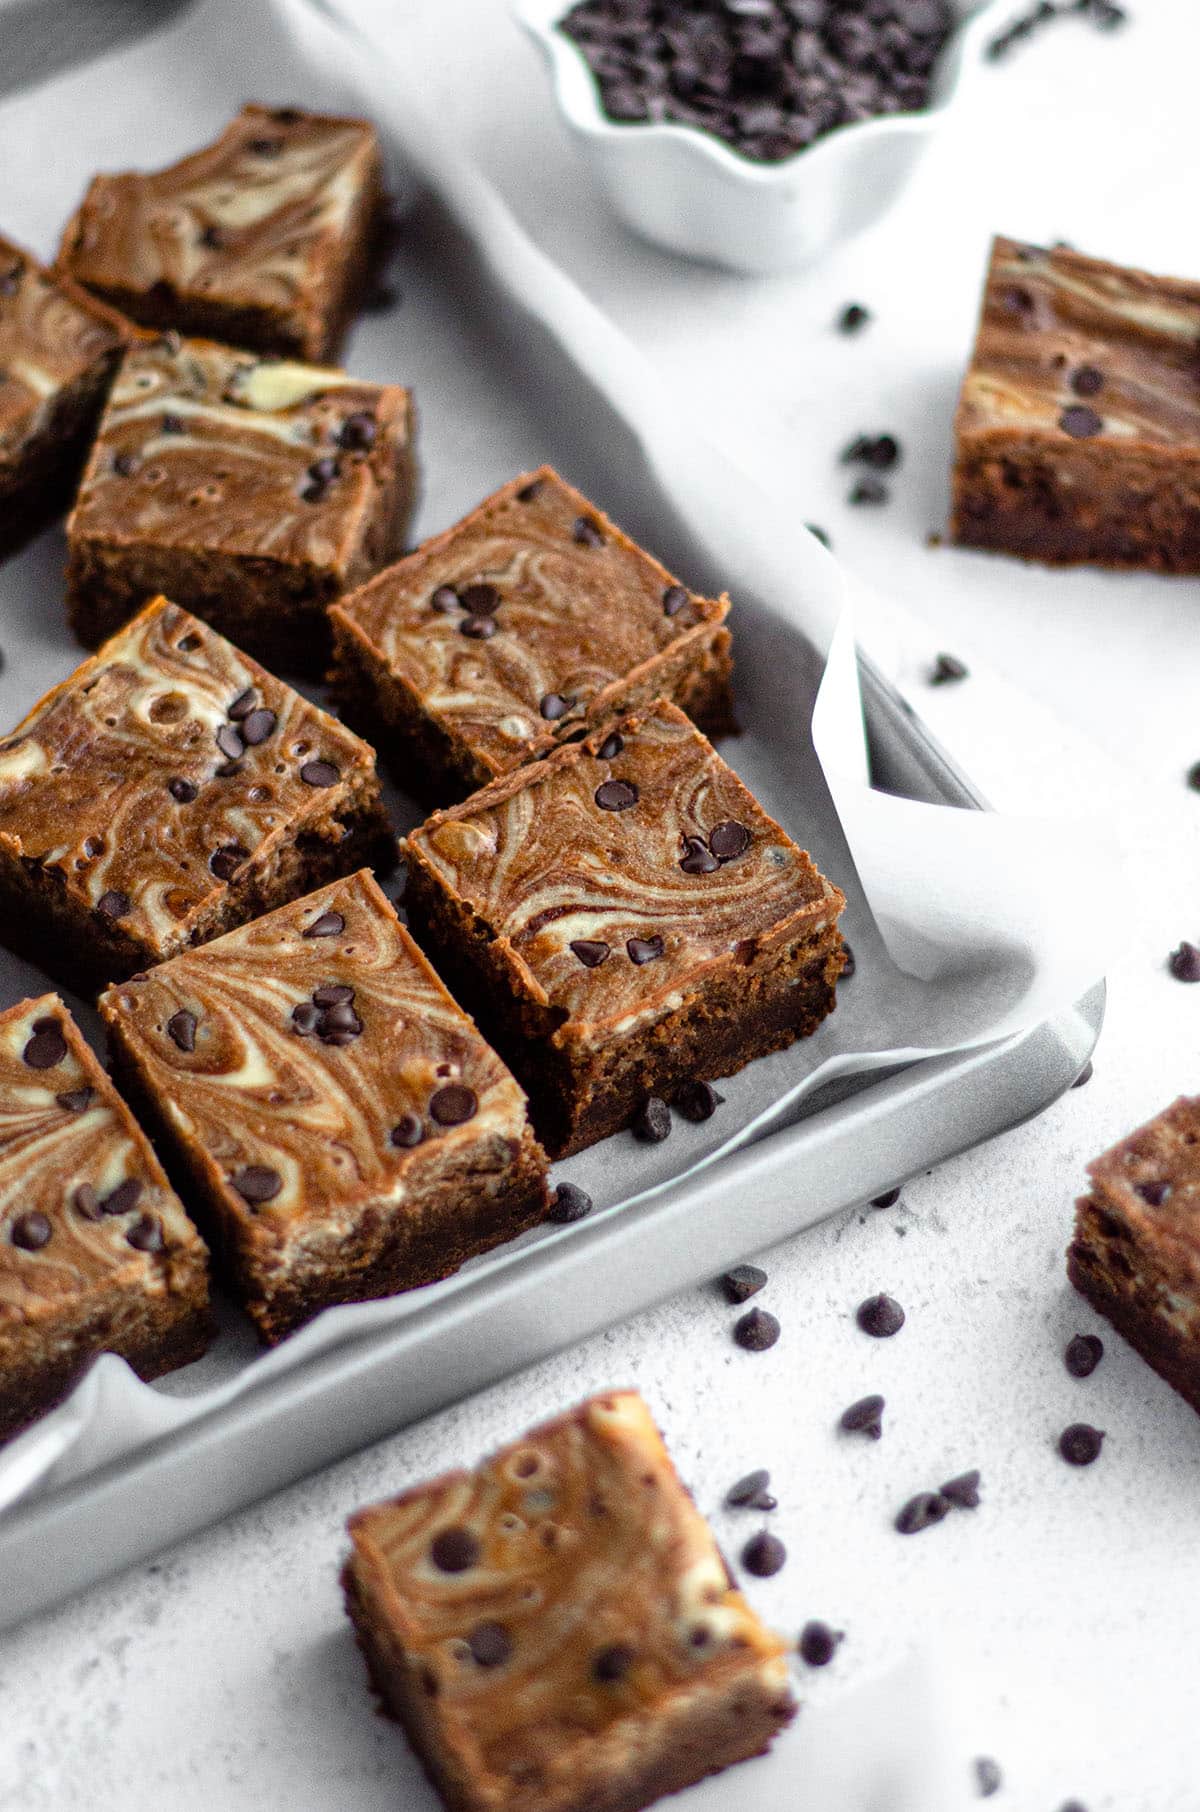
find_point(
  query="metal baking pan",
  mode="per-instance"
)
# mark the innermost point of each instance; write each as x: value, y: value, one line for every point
x: 506, y: 397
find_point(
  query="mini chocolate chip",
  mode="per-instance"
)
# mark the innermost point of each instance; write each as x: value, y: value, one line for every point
x: 988, y: 1778
x: 1083, y: 1354
x: 453, y: 1104
x: 880, y: 1316
x: 745, y: 1493
x: 182, y: 790
x: 554, y: 706
x: 257, y: 1183
x: 1080, y: 1444
x: 612, y: 745
x: 697, y: 858
x: 358, y: 432
x: 212, y: 239
x: 1080, y: 422
x: 587, y: 532
x: 743, y: 1282
x: 1087, y: 381
x: 76, y: 1100
x: 570, y: 1204
x: 258, y: 726
x: 181, y: 1028
x: 478, y: 629
x: 480, y: 600
x: 1085, y: 1075
x: 644, y: 949
x: 444, y: 599
x: 728, y: 839
x: 125, y: 465
x: 490, y: 1644
x: 124, y: 1198
x: 230, y: 743
x: 851, y: 963
x: 226, y: 861
x: 114, y: 904
x: 818, y: 1643
x: 696, y: 1101
x: 869, y: 490
x: 921, y: 1512
x: 87, y: 1202
x: 591, y: 951
x: 305, y: 1017
x: 764, y: 1554
x: 948, y: 668
x: 616, y: 795
x: 333, y: 994
x: 962, y: 1492
x: 529, y: 491
x: 323, y: 471
x: 864, y: 1417
x: 673, y: 600
x: 265, y: 147
x: 329, y: 924
x: 887, y: 1200
x: 319, y: 773
x: 652, y: 1122
x: 407, y: 1132
x: 454, y: 1550
x: 173, y: 424
x: 1154, y: 1194
x: 756, y: 1330
x: 612, y: 1664
x: 146, y: 1234
x: 47, y: 1048
x: 31, y: 1231
x: 853, y: 318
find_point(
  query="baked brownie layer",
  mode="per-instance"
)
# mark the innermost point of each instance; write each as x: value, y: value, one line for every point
x: 96, y: 1254
x: 1078, y: 427
x: 1136, y: 1251
x: 557, y: 1631
x: 166, y: 791
x: 58, y: 349
x: 251, y: 492
x: 622, y: 917
x: 263, y: 239
x: 334, y: 1115
x: 529, y: 622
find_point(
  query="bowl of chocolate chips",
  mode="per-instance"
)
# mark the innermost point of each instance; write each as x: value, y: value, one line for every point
x: 753, y: 134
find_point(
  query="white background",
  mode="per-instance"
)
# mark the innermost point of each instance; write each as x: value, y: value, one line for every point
x: 1060, y: 1617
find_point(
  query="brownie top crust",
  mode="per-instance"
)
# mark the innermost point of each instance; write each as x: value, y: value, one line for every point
x: 202, y: 446
x: 313, y: 1057
x: 252, y: 220
x: 614, y: 873
x: 51, y: 335
x: 512, y: 626
x: 1151, y: 1180
x: 557, y: 1596
x: 146, y: 779
x: 1076, y: 347
x: 82, y: 1198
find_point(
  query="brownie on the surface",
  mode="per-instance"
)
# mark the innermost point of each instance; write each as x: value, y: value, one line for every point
x: 264, y: 238
x: 344, y: 1130
x: 557, y: 1630
x: 1136, y: 1251
x: 529, y: 621
x: 251, y: 491
x: 96, y: 1254
x: 58, y: 349
x: 1078, y: 427
x: 166, y: 791
x: 624, y: 919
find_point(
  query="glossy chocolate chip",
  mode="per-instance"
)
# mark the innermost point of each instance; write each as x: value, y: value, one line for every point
x: 114, y: 904
x: 697, y: 858
x: 480, y: 600
x: 947, y: 669
x: 181, y: 1029
x: 407, y: 1132
x: 76, y: 1100
x: 31, y: 1231
x: 328, y: 924
x: 616, y: 795
x: 226, y: 861
x: 258, y: 726
x: 880, y: 1316
x: 1087, y: 381
x: 652, y: 1122
x: 47, y: 1048
x: 644, y: 949
x: 743, y: 1282
x: 612, y: 1663
x: 756, y: 1330
x: 818, y: 1643
x: 1080, y: 1444
x: 87, y: 1202
x: 444, y: 600
x: 591, y: 951
x: 124, y: 1198
x: 570, y: 1204
x: 182, y: 790
x: 728, y: 839
x: 764, y: 1554
x: 1080, y: 422
x: 922, y: 1512
x: 864, y: 1417
x: 490, y: 1644
x: 1083, y: 1354
x: 454, y: 1550
x: 745, y: 1494
x: 230, y: 742
x: 478, y: 629
x: 333, y: 994
x: 358, y: 432
x: 673, y: 600
x: 257, y: 1183
x: 554, y: 705
x: 696, y: 1101
x: 587, y: 532
x: 962, y: 1492
x: 319, y: 774
x: 146, y: 1234
x: 453, y: 1104
x: 305, y: 1017
x: 612, y: 745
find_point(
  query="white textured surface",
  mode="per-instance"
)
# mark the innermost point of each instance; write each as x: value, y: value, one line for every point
x: 1059, y: 1613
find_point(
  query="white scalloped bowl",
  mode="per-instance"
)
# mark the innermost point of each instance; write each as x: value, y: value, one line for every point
x: 688, y: 191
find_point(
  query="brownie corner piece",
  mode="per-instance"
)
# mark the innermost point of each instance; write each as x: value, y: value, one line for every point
x: 165, y: 791
x: 273, y: 230
x: 96, y: 1253
x: 251, y: 491
x: 557, y: 1630
x: 624, y: 918
x: 1136, y: 1251
x: 529, y: 622
x: 345, y: 1131
x: 1078, y: 425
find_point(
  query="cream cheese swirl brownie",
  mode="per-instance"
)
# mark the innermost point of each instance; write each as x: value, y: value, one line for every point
x: 252, y: 492
x: 1078, y: 427
x: 557, y: 1630
x: 530, y: 621
x: 96, y: 1253
x: 166, y: 791
x: 58, y: 349
x: 264, y: 238
x: 340, y: 1121
x: 625, y: 918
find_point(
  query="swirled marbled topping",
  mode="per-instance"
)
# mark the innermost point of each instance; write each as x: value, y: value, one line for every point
x: 310, y: 1056
x: 201, y: 446
x: 162, y: 765
x: 83, y: 1200
x: 1079, y: 347
x: 51, y: 335
x: 565, y: 1586
x: 258, y: 219
x: 532, y: 614
x: 612, y: 873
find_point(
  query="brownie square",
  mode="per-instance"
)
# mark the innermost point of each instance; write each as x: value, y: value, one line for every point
x: 252, y: 492
x: 96, y: 1253
x: 1136, y: 1251
x: 264, y: 238
x: 1078, y: 427
x: 557, y: 1630
x: 340, y: 1122
x: 529, y: 622
x: 166, y: 791
x: 624, y: 918
x: 58, y: 350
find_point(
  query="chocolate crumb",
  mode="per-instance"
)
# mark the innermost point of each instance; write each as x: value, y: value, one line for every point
x: 947, y: 669
x: 853, y: 318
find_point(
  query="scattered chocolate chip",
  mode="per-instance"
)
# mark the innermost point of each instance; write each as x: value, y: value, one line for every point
x: 453, y: 1104
x: 76, y: 1100
x: 258, y: 726
x: 358, y: 432
x: 328, y: 924
x: 743, y: 1282
x: 864, y: 1417
x: 444, y: 599
x: 612, y: 1664
x: 818, y: 1643
x: 490, y: 1644
x: 879, y: 451
x: 652, y: 1122
x: 962, y: 1492
x: 644, y: 949
x: 696, y: 1101
x: 31, y: 1232
x: 756, y: 1330
x: 124, y: 1198
x: 819, y: 534
x: 1085, y: 1075
x: 182, y: 790
x: 554, y: 706
x: 230, y: 743
x: 257, y: 1183
x: 454, y: 1550
x: 319, y: 773
x: 1154, y: 1194
x: 887, y: 1200
x: 745, y: 1494
x: 764, y: 1554
x: 47, y: 1048
x: 853, y: 318
x: 87, y: 1202
x: 728, y: 840
x: 880, y: 1316
x: 226, y: 861
x: 869, y: 490
x: 181, y: 1028
x: 612, y: 745
x: 988, y: 1778
x: 921, y: 1512
x: 616, y: 795
x: 850, y: 964
x: 1087, y: 381
x: 947, y: 669
x: 1184, y: 962
x: 478, y: 629
x: 1080, y: 1444
x: 587, y: 532
x: 570, y: 1204
x: 591, y: 951
x: 1083, y: 1354
x: 407, y: 1132
x: 673, y: 600
x: 1080, y: 422
x: 125, y: 465
x: 146, y: 1234
x: 697, y: 858
x: 114, y: 904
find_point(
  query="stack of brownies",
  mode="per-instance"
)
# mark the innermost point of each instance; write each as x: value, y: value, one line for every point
x: 186, y: 837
